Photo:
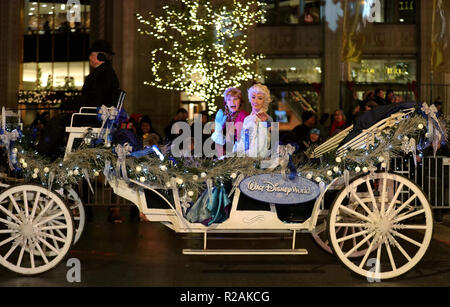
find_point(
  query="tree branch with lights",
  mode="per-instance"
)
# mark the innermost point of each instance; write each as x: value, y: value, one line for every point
x: 202, y: 46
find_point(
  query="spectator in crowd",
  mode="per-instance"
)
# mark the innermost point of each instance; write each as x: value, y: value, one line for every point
x: 398, y: 99
x: 301, y: 132
x: 149, y: 136
x: 181, y: 116
x: 369, y: 95
x: 339, y: 123
x: 205, y: 120
x: 438, y: 104
x: 379, y: 97
x: 324, y: 126
x: 390, y: 96
x: 365, y: 107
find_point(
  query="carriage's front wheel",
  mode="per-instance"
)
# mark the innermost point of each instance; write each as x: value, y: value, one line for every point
x: 36, y: 229
x: 394, y: 228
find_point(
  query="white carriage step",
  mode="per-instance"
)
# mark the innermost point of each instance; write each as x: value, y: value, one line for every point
x: 207, y: 252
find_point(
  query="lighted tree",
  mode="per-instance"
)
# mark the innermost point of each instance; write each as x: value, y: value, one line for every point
x: 202, y: 46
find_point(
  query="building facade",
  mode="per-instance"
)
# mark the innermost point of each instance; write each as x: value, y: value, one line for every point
x: 303, y: 54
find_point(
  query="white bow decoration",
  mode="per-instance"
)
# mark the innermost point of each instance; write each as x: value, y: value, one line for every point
x: 434, y: 129
x: 107, y: 114
x: 122, y: 153
x: 6, y: 139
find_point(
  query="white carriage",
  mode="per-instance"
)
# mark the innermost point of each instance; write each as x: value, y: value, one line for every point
x: 377, y: 216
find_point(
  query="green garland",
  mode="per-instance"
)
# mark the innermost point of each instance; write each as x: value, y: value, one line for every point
x: 191, y: 174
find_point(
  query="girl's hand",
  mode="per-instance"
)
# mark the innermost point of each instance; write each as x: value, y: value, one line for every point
x: 263, y: 116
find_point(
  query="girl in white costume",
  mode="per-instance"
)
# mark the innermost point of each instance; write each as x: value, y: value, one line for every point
x: 255, y: 133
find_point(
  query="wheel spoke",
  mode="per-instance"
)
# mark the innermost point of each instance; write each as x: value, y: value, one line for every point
x: 16, y: 206
x: 9, y: 223
x: 42, y: 253
x: 406, y: 238
x: 361, y: 203
x: 46, y: 220
x: 31, y: 251
x: 12, y: 238
x: 19, y: 260
x: 53, y: 227
x: 352, y: 236
x: 394, y: 199
x: 349, y: 225
x: 35, y: 204
x: 345, y: 233
x: 369, y: 250
x: 372, y: 197
x: 11, y: 250
x: 352, y: 212
x: 391, y: 259
x: 405, y: 204
x: 53, y: 248
x: 383, y: 194
x: 10, y: 214
x: 25, y: 203
x: 55, y: 238
x: 400, y: 248
x: 355, y: 248
x: 44, y: 210
x: 405, y: 217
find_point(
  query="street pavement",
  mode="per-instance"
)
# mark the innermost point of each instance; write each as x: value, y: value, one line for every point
x: 145, y: 254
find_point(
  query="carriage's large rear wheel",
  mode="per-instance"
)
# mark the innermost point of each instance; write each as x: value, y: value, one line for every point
x: 36, y: 229
x: 394, y: 228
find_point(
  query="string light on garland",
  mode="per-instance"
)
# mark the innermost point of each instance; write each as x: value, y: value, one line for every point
x: 202, y: 46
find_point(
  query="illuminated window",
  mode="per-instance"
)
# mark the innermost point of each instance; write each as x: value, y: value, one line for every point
x: 384, y: 71
x: 293, y: 12
x: 56, y: 43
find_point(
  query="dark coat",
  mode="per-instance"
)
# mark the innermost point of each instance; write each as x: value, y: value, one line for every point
x: 100, y: 87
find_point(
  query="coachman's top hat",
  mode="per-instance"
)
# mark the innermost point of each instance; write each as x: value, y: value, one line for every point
x: 101, y: 46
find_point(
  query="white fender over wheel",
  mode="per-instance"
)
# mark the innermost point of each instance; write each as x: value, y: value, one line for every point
x: 394, y: 228
x: 78, y: 213
x: 36, y: 229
